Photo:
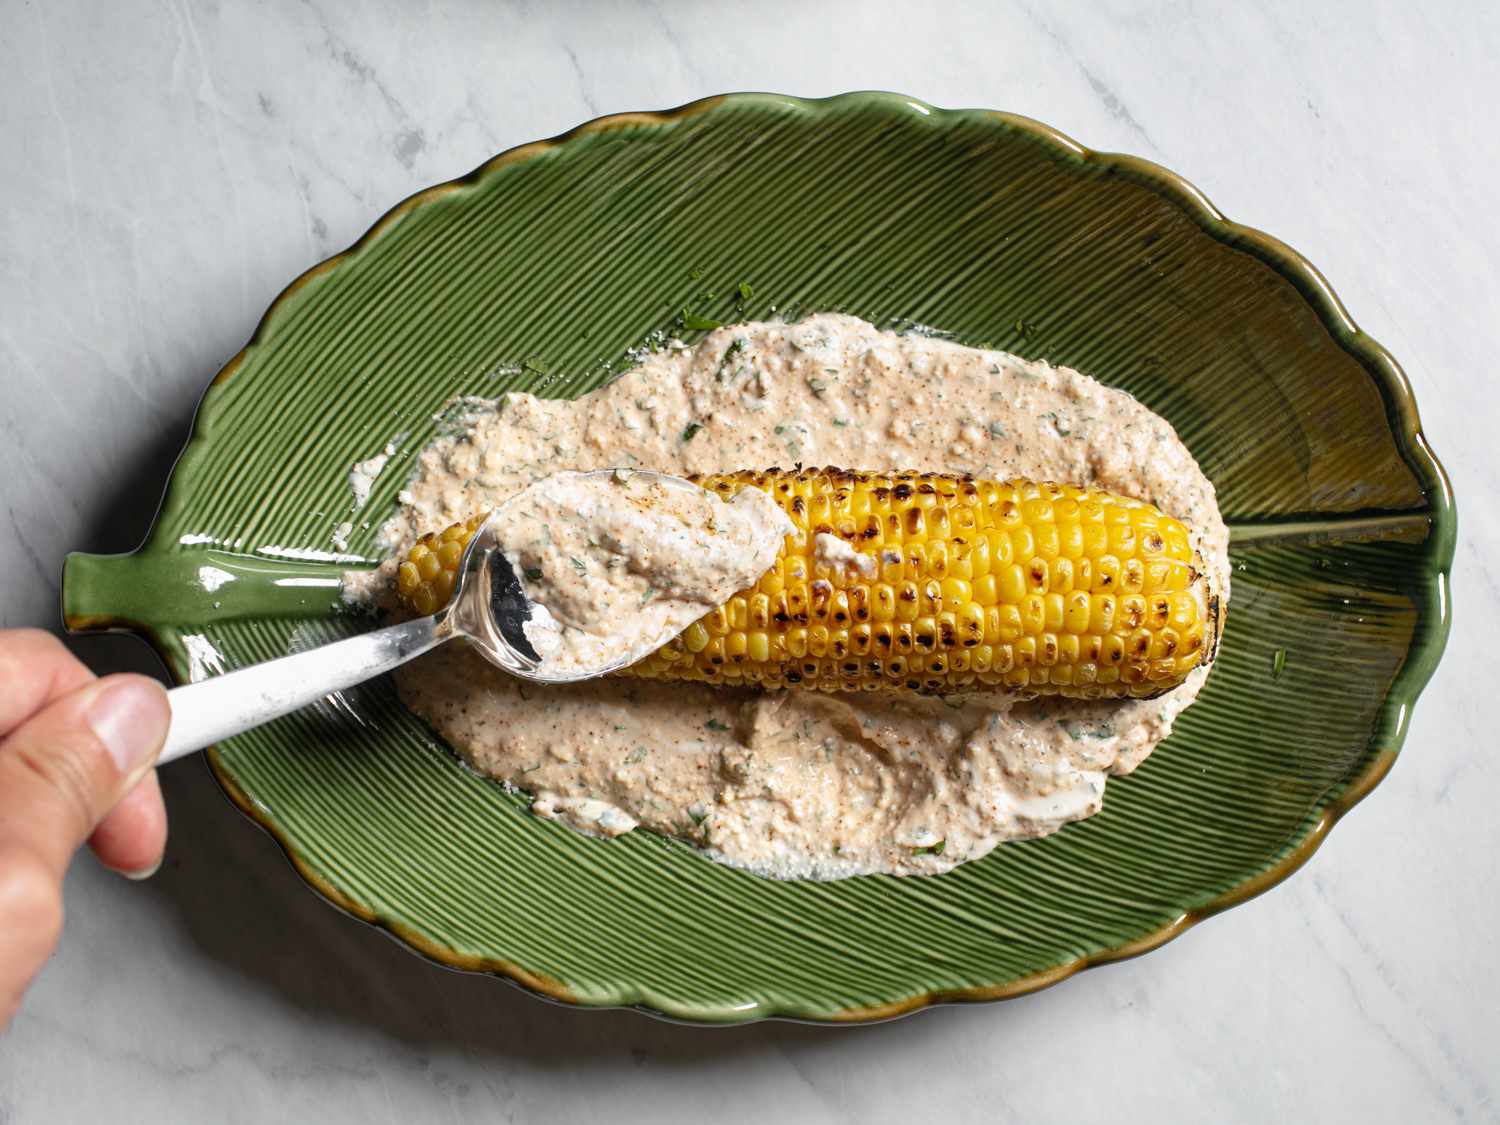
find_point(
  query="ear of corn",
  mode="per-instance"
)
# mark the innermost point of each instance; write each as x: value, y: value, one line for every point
x: 965, y: 585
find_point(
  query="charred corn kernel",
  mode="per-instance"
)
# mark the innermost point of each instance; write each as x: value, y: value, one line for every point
x: 759, y: 610
x: 1033, y: 613
x: 980, y: 585
x: 970, y: 621
x: 906, y: 601
x: 1102, y: 612
x: 1106, y: 574
x: 861, y: 638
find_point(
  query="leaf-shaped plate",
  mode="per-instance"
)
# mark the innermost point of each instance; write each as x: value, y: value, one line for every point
x: 561, y: 256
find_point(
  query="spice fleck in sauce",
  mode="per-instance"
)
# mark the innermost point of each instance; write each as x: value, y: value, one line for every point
x: 801, y: 784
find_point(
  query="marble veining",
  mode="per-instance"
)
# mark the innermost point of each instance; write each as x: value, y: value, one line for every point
x: 170, y: 166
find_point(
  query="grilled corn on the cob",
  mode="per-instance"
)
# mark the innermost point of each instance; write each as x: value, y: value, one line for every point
x: 934, y: 583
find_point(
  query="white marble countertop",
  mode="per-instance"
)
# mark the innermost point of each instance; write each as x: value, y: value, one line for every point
x: 170, y: 166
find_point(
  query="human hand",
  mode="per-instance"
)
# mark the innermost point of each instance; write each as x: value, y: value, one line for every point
x: 76, y: 756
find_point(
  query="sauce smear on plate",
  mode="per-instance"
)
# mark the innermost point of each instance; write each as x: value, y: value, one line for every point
x: 800, y: 784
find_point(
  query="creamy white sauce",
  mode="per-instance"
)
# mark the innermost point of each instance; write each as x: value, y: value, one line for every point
x: 362, y: 477
x: 363, y: 474
x: 801, y: 784
x: 833, y: 551
x: 618, y: 564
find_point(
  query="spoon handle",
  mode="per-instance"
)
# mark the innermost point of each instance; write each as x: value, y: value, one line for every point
x: 205, y: 712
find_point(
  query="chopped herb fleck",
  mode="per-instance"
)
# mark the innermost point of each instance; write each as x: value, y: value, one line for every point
x: 1278, y: 663
x: 714, y: 724
x: 730, y: 352
x: 695, y: 275
x: 537, y: 364
x: 691, y: 431
x: 746, y: 291
x: 531, y: 769
x: 533, y: 573
x: 695, y: 323
x: 648, y: 595
x: 1077, y: 730
x: 931, y: 849
x: 841, y: 422
x: 1062, y: 430
x: 997, y: 430
x: 577, y: 564
x: 636, y: 755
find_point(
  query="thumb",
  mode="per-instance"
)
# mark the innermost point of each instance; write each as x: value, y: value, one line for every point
x: 66, y: 766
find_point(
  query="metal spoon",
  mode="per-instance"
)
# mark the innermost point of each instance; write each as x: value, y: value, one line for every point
x: 488, y: 606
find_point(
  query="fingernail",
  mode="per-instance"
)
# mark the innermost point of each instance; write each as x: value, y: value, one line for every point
x: 138, y: 876
x: 130, y: 719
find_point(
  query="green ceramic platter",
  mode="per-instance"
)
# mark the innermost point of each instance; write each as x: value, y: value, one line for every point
x: 540, y: 271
